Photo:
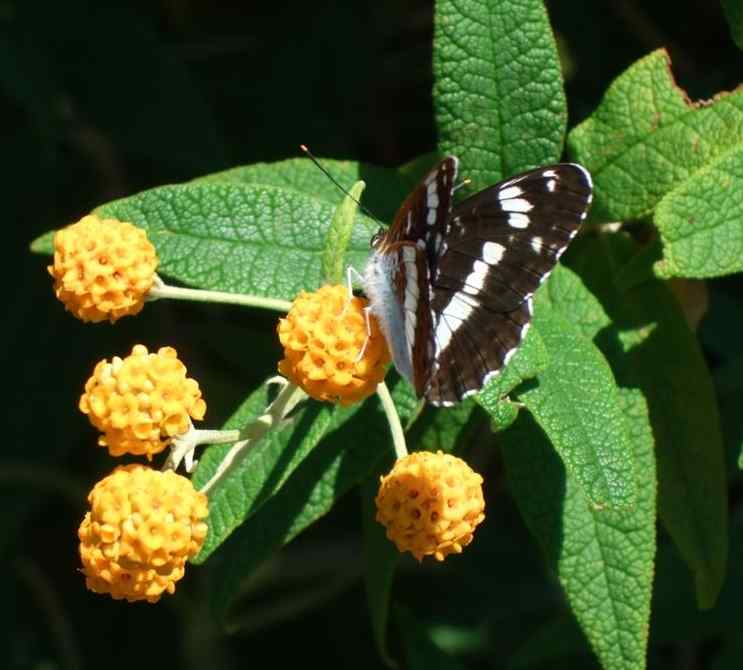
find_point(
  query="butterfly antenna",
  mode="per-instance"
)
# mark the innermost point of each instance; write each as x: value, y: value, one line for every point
x: 310, y: 155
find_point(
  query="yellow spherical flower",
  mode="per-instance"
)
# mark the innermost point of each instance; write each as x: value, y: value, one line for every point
x: 103, y: 269
x: 142, y: 401
x: 142, y: 527
x: 327, y: 350
x: 430, y: 504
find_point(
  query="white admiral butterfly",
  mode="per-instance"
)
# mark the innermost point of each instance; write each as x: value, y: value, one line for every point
x: 452, y: 285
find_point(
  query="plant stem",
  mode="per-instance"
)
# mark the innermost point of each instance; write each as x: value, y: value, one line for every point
x: 398, y: 435
x: 275, y: 415
x: 162, y: 290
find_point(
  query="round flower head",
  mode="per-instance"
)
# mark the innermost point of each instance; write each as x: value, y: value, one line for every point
x: 430, y: 504
x: 327, y: 349
x: 142, y: 401
x: 142, y: 526
x: 103, y: 269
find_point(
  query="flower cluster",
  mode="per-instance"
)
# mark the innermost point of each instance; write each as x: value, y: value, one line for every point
x: 141, y: 528
x: 142, y: 401
x: 143, y: 525
x: 102, y: 269
x: 430, y: 504
x: 331, y: 349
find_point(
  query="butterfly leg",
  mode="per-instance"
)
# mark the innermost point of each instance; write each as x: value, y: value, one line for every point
x: 350, y: 274
x: 367, y: 311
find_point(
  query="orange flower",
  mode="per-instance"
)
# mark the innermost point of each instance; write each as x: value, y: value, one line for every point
x: 103, y: 269
x: 430, y: 504
x: 327, y: 349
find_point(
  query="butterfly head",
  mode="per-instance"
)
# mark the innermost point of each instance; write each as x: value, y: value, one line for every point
x: 378, y: 237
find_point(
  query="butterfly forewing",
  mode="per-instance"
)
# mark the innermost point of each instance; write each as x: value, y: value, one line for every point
x: 501, y: 245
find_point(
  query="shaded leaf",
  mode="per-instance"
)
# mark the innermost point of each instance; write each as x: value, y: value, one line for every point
x: 734, y: 13
x: 603, y: 558
x: 650, y: 347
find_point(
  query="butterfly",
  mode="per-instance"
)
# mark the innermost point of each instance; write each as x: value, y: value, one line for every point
x: 451, y: 285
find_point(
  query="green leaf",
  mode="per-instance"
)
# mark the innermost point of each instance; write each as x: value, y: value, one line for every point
x: 498, y: 94
x: 43, y: 244
x: 344, y: 457
x: 576, y: 402
x: 530, y: 359
x: 734, y: 13
x: 603, y: 558
x: 339, y: 234
x: 646, y: 138
x: 387, y: 187
x: 650, y: 347
x: 701, y: 221
x: 241, y: 238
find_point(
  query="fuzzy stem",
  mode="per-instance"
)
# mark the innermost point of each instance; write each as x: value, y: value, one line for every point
x: 162, y: 290
x: 275, y: 415
x: 398, y: 435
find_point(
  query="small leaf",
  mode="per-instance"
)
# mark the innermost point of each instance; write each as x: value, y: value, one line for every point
x: 498, y: 94
x: 530, y: 359
x: 339, y: 235
x: 421, y: 652
x: 650, y: 347
x: 700, y: 221
x: 646, y: 138
x: 604, y: 558
x: 265, y: 467
x: 381, y: 558
x: 734, y: 13
x: 575, y: 401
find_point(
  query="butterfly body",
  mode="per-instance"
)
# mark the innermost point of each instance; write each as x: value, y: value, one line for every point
x: 452, y: 285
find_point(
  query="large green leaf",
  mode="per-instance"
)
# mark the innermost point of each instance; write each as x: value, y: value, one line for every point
x: 646, y: 138
x: 353, y: 442
x: 701, y: 221
x: 604, y: 558
x: 650, y: 347
x: 387, y: 187
x: 576, y: 402
x: 498, y: 94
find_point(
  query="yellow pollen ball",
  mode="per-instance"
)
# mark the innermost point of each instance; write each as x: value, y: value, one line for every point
x: 327, y: 349
x: 140, y: 556
x: 103, y: 269
x: 140, y: 403
x: 430, y: 504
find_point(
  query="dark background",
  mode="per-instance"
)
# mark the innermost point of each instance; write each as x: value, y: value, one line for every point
x: 100, y: 100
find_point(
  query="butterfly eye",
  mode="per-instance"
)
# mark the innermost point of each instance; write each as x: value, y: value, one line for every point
x: 377, y: 238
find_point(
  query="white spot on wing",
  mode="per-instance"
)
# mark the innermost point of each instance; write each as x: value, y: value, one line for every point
x: 519, y: 205
x: 551, y: 185
x: 510, y: 192
x: 492, y: 252
x: 518, y: 220
x: 476, y: 278
x: 536, y: 244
